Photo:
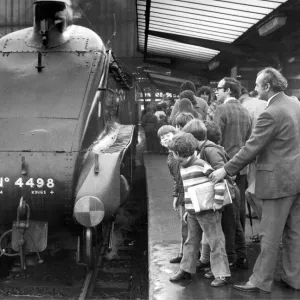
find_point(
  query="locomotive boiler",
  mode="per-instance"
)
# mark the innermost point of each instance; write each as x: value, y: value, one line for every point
x: 67, y: 138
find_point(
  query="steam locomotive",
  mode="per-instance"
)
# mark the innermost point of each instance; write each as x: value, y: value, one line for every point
x: 67, y: 138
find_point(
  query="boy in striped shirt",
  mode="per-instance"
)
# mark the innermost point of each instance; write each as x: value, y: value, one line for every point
x: 195, y: 171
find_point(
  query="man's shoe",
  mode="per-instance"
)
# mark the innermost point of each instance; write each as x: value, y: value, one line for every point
x: 220, y: 281
x: 246, y: 287
x: 180, y: 275
x: 175, y: 260
x: 209, y: 275
x: 201, y: 265
x: 242, y: 263
x: 281, y: 282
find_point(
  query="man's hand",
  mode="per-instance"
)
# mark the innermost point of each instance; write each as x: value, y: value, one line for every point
x: 216, y: 206
x: 175, y: 203
x: 185, y: 217
x: 218, y: 175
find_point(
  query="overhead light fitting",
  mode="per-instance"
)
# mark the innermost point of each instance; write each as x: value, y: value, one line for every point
x: 271, y: 25
x: 291, y: 59
x: 213, y: 65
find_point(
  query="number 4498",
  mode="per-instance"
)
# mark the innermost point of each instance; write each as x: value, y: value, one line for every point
x: 39, y: 183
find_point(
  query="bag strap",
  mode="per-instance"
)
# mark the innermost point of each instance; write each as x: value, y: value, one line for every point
x: 226, y: 158
x: 200, y: 151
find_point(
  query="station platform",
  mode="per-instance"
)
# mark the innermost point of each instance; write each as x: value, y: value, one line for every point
x: 164, y: 242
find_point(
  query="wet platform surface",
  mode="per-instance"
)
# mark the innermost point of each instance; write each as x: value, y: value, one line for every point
x: 164, y: 242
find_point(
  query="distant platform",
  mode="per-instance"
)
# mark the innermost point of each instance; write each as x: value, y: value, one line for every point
x: 164, y: 242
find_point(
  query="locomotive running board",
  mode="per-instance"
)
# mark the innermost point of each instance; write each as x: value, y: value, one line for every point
x: 123, y: 140
x: 106, y: 183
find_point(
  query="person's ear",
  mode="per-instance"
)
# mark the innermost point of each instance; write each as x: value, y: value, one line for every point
x: 267, y: 86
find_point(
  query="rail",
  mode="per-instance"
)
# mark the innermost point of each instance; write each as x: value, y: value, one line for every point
x: 91, y: 276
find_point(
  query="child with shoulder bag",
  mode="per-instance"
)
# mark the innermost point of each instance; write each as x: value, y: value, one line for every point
x: 208, y: 134
x: 194, y: 172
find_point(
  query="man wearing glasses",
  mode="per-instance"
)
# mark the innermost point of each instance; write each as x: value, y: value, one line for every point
x: 235, y: 123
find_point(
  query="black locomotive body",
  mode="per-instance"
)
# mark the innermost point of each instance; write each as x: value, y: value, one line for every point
x: 67, y: 115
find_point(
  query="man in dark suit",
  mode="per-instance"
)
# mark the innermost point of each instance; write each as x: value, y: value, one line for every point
x: 235, y: 123
x: 275, y: 143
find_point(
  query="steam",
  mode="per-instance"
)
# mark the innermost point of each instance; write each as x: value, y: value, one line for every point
x: 76, y: 9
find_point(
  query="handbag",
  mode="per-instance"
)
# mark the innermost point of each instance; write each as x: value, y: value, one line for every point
x: 202, y: 196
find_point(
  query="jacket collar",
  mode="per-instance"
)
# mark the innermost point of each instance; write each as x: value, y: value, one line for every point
x: 274, y: 98
x: 231, y: 100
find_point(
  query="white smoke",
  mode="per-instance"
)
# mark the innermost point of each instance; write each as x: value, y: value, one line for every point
x: 76, y: 9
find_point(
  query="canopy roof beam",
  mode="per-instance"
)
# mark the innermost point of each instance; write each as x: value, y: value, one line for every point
x: 147, y: 21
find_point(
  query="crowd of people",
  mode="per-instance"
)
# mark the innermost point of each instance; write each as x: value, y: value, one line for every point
x: 227, y: 147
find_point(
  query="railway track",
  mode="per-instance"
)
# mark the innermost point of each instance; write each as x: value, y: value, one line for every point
x: 121, y: 259
x: 61, y: 278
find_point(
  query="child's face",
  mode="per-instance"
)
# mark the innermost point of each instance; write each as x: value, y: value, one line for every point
x: 165, y: 139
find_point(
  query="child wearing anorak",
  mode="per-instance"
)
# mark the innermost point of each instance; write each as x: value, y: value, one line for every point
x: 195, y: 171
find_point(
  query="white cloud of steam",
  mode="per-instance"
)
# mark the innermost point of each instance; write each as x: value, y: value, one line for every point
x: 76, y: 9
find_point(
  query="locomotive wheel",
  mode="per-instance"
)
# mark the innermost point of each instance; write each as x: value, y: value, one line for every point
x: 89, y: 249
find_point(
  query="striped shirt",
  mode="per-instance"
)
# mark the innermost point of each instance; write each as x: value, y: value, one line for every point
x: 194, y: 172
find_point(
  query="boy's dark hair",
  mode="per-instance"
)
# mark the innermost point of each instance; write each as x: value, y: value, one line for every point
x: 197, y: 128
x: 165, y: 129
x: 213, y: 132
x: 188, y: 94
x: 183, y: 144
x: 182, y: 119
x: 187, y: 85
x: 204, y: 90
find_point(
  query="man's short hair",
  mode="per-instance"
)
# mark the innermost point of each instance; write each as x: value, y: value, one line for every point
x: 213, y: 133
x: 188, y: 94
x: 184, y: 144
x: 197, y: 128
x: 187, y: 85
x: 149, y: 108
x: 234, y: 86
x: 253, y: 94
x: 244, y: 90
x: 182, y: 119
x: 158, y: 107
x: 276, y: 80
x: 165, y: 129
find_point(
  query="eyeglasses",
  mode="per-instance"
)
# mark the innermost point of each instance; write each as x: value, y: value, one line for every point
x: 218, y: 88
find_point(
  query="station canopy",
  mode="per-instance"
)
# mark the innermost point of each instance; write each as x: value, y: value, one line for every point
x: 196, y: 30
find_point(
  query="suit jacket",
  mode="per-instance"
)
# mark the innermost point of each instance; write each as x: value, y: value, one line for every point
x: 275, y: 143
x: 235, y: 124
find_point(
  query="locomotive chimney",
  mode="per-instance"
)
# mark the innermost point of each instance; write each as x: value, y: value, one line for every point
x: 51, y: 21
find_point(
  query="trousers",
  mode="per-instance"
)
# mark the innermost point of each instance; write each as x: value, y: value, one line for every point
x: 183, y: 227
x: 241, y: 181
x: 210, y: 224
x: 280, y: 219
